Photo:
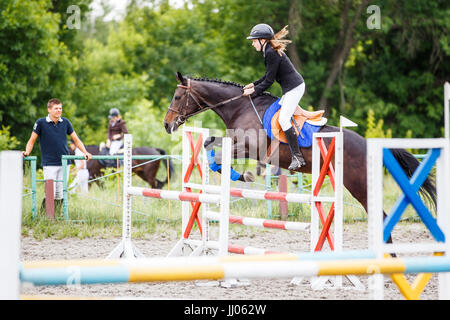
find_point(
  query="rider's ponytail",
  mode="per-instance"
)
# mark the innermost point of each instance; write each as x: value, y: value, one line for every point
x: 278, y: 43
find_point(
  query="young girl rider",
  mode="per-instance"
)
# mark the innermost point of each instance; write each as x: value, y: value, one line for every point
x: 116, y: 130
x: 281, y: 69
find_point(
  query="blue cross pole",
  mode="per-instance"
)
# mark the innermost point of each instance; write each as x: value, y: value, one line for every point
x: 216, y: 167
x: 410, y: 195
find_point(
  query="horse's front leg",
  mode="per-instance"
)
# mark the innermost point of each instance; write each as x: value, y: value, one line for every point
x: 215, y: 159
x: 239, y: 149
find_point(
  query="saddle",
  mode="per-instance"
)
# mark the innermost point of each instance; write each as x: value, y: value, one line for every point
x: 108, y: 163
x: 300, y: 116
x: 304, y: 122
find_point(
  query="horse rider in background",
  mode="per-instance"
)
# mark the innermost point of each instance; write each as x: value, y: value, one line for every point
x: 116, y: 130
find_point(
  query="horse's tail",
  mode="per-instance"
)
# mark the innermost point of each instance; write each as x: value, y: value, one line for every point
x: 409, y: 164
x: 171, y: 167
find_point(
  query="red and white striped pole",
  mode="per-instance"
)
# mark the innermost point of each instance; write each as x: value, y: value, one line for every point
x: 259, y: 194
x: 262, y: 223
x: 174, y: 195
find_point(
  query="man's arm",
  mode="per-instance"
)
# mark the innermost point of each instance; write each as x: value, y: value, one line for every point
x: 80, y: 145
x: 30, y: 144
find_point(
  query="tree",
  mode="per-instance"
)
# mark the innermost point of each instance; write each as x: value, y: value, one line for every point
x: 7, y: 142
x: 34, y: 65
x: 342, y: 47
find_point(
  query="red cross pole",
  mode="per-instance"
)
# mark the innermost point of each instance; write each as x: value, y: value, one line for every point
x: 194, y: 162
x: 327, y: 168
x: 193, y: 156
x: 335, y: 213
x: 318, y: 213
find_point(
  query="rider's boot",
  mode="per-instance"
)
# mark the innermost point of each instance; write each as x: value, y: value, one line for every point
x: 297, y: 157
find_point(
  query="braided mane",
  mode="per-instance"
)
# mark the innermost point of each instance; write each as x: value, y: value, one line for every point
x: 231, y: 83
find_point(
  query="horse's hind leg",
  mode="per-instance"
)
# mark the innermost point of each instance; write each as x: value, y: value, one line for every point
x: 150, y: 180
x: 150, y: 171
x: 159, y: 184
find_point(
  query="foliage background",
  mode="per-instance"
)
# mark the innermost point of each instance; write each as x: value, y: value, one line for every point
x: 388, y: 80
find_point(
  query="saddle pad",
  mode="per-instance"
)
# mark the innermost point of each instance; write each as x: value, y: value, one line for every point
x: 274, y: 131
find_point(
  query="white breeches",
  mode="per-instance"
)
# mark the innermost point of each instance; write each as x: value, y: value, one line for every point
x: 115, y: 146
x: 55, y: 173
x: 289, y: 102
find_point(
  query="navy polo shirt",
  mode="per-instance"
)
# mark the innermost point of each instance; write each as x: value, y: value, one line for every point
x: 53, y: 139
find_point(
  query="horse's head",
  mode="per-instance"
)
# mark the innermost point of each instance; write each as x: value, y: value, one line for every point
x: 185, y: 103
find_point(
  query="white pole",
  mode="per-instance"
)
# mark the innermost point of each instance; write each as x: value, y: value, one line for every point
x: 205, y: 182
x: 338, y: 194
x: 443, y: 214
x: 126, y: 249
x: 339, y: 182
x: 127, y: 199
x: 314, y: 177
x: 317, y: 283
x: 443, y: 187
x: 375, y: 211
x: 446, y: 109
x: 225, y: 197
x: 186, y: 157
x: 11, y: 176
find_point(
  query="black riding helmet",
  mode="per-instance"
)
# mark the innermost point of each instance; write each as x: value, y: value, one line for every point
x: 113, y: 112
x: 261, y: 31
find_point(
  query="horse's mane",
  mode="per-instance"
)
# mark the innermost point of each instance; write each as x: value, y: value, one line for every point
x: 231, y: 83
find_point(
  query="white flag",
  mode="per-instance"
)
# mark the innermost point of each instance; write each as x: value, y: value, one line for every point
x: 346, y: 122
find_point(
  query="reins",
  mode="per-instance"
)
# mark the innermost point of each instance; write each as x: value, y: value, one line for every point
x: 271, y: 149
x: 183, y: 117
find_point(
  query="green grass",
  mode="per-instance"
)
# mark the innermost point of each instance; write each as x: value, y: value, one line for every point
x: 99, y: 213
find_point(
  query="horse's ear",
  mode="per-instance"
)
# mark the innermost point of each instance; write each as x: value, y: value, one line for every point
x: 180, y: 78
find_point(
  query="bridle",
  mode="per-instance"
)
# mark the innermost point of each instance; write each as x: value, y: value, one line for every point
x: 203, y: 104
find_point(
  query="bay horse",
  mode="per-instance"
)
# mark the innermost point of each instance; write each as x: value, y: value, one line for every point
x: 193, y: 96
x: 146, y: 172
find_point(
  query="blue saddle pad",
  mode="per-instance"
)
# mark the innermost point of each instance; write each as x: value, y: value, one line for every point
x: 307, y: 129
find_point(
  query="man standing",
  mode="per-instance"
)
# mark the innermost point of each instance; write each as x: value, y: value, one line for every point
x: 52, y: 132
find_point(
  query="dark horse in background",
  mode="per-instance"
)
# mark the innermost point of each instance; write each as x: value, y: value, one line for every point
x: 146, y: 172
x: 193, y: 96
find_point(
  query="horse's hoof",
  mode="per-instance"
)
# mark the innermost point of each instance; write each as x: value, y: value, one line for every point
x: 297, y: 163
x: 248, y: 176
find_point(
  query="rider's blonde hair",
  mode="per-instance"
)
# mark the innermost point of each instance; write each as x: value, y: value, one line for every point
x: 278, y: 43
